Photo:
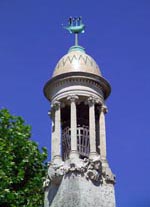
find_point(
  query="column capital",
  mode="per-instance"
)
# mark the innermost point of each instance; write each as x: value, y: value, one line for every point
x: 104, y: 109
x: 72, y: 98
x: 55, y: 105
x: 91, y: 100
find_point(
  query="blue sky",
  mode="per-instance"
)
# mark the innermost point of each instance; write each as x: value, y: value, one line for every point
x: 118, y: 38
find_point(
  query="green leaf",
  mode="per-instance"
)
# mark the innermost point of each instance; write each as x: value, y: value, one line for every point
x: 22, y: 166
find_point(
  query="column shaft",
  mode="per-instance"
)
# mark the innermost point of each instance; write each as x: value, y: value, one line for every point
x: 56, y: 133
x: 92, y: 129
x: 53, y: 135
x: 102, y: 133
x: 73, y: 119
x: 73, y: 127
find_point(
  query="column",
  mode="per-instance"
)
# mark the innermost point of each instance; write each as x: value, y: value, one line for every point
x: 51, y: 114
x: 92, y: 128
x: 73, y: 118
x: 56, y: 131
x: 102, y: 132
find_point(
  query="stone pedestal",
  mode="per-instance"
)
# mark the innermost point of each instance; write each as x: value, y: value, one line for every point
x: 76, y: 191
x: 85, y: 184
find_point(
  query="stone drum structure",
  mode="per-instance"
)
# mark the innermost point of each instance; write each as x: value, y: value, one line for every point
x: 78, y: 174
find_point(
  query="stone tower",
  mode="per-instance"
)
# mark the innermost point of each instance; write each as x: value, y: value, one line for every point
x: 78, y: 174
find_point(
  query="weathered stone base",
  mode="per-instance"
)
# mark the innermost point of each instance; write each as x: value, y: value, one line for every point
x: 75, y: 190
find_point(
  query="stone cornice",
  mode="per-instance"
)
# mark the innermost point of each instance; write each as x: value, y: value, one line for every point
x: 76, y: 78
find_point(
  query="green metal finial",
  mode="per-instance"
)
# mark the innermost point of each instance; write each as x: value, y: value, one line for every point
x: 75, y: 26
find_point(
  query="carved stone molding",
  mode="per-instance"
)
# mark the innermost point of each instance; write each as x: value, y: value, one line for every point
x: 108, y: 176
x: 90, y: 168
x: 55, y: 173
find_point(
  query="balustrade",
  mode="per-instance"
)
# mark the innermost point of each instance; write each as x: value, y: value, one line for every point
x: 83, y: 145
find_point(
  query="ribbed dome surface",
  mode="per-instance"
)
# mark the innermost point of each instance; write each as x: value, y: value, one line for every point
x: 76, y: 61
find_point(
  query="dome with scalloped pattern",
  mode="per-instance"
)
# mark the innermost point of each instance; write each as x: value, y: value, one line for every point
x: 76, y: 60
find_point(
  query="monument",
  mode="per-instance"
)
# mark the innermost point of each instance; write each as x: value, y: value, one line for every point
x: 78, y: 174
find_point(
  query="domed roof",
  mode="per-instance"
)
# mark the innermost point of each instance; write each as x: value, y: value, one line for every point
x: 76, y: 60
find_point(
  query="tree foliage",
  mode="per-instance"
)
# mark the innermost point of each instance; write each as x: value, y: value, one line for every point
x: 22, y: 167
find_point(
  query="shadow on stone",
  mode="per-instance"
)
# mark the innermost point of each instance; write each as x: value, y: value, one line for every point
x: 53, y: 189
